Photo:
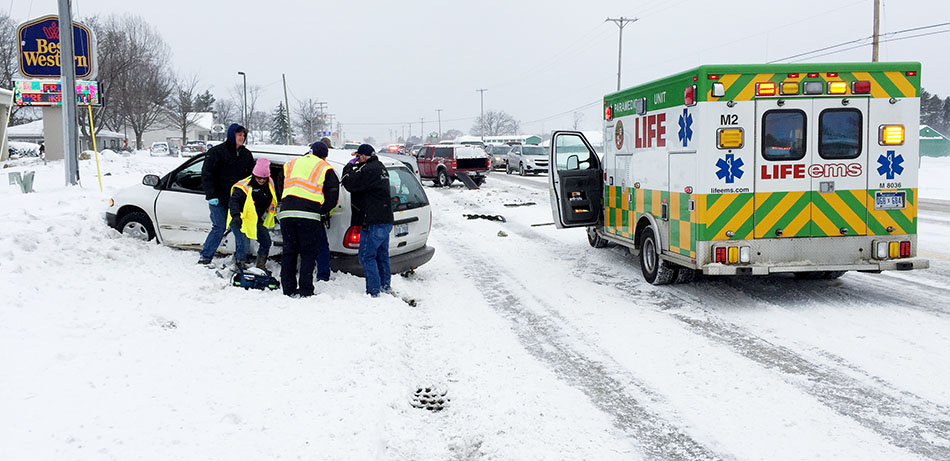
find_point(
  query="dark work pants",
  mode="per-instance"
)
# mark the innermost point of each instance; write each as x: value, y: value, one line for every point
x: 301, y: 237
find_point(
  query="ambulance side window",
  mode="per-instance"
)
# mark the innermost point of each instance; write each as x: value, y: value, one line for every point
x: 783, y: 134
x: 839, y: 133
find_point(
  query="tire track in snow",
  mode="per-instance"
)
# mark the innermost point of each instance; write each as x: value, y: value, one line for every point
x: 546, y: 340
x: 903, y: 418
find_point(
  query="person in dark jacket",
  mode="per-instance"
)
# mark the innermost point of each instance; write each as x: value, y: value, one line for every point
x: 311, y: 190
x: 225, y: 164
x: 367, y: 180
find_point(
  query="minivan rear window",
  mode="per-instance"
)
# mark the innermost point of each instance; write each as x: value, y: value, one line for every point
x: 405, y: 190
x: 839, y: 133
x: 783, y: 134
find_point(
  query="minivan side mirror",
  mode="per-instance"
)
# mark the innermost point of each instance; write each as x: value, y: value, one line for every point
x: 151, y: 180
x: 572, y: 163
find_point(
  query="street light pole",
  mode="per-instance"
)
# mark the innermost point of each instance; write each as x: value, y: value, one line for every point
x: 481, y: 118
x: 244, y: 121
x: 440, y: 125
x: 622, y: 21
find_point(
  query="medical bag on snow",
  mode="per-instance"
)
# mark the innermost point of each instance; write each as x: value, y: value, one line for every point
x: 255, y: 278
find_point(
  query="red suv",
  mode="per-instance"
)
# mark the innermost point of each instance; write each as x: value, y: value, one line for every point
x: 444, y: 162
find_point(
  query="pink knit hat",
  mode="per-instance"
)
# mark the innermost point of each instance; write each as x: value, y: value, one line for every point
x: 262, y: 168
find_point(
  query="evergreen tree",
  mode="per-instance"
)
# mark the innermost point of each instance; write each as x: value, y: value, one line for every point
x: 204, y: 102
x: 931, y: 109
x: 280, y: 130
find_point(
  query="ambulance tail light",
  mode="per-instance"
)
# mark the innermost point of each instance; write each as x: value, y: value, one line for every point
x: 880, y: 250
x: 860, y: 87
x: 905, y: 249
x: 890, y: 135
x: 729, y: 138
x: 837, y: 87
x: 352, y: 237
x: 765, y: 89
x: 721, y: 255
x: 689, y: 95
x: 893, y: 249
x: 745, y: 255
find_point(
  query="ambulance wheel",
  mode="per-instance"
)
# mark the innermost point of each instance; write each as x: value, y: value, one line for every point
x: 521, y: 169
x: 594, y: 239
x: 655, y: 270
x: 443, y: 179
x: 137, y: 225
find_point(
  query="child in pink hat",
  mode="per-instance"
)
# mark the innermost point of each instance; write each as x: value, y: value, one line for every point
x: 252, y: 212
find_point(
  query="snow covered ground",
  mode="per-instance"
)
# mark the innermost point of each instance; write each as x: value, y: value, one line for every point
x: 546, y: 348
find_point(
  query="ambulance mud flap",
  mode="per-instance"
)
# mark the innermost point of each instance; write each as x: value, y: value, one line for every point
x: 467, y: 180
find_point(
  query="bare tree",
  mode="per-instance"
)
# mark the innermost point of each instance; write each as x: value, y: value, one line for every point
x: 253, y: 94
x: 181, y: 109
x: 261, y: 121
x: 495, y: 123
x: 310, y: 120
x: 9, y: 68
x: 451, y: 134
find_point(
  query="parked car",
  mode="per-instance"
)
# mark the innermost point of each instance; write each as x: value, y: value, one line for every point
x: 351, y: 146
x: 172, y: 210
x: 527, y: 159
x: 194, y: 147
x: 159, y: 149
x: 442, y: 163
x: 499, y: 154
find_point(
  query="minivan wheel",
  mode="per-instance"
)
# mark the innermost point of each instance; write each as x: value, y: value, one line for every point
x: 443, y: 179
x: 507, y: 168
x: 655, y: 270
x: 137, y: 225
x: 521, y: 169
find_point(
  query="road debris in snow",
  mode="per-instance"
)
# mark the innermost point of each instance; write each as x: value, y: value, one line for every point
x: 489, y: 217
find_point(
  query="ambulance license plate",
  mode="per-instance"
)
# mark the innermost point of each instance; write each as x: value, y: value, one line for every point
x: 401, y: 230
x: 889, y: 200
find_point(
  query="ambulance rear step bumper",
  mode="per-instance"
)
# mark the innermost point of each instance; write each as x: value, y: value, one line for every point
x: 904, y: 264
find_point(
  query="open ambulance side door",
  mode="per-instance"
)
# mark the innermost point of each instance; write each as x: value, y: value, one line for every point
x: 576, y: 181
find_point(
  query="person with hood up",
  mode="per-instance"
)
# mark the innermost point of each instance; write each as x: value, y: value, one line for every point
x: 367, y: 180
x: 225, y: 164
x: 253, y: 210
x: 311, y: 190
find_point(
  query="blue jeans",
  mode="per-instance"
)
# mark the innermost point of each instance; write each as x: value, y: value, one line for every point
x: 241, y: 241
x: 323, y: 255
x: 219, y: 217
x: 374, y: 257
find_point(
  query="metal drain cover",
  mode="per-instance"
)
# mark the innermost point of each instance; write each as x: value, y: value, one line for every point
x: 429, y: 398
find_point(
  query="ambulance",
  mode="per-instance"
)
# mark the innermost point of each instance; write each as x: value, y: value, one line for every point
x: 808, y: 169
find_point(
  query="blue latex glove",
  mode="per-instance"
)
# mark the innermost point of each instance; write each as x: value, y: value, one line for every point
x: 213, y: 202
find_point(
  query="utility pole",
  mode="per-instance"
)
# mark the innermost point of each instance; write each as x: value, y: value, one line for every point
x: 422, y: 129
x: 620, y: 22
x: 440, y: 126
x: 481, y: 118
x: 244, y: 111
x: 67, y: 71
x: 322, y: 107
x: 290, y: 136
x: 877, y: 30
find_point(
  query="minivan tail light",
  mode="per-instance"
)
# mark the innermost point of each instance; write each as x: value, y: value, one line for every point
x: 352, y: 237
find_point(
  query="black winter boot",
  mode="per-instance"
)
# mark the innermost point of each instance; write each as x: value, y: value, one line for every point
x: 261, y: 262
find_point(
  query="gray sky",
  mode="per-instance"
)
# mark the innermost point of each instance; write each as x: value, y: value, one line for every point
x: 383, y: 64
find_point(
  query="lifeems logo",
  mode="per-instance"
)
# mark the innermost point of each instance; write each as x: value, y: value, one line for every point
x: 798, y: 170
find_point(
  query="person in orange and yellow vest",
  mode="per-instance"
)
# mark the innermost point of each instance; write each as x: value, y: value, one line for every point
x: 311, y: 190
x: 252, y: 211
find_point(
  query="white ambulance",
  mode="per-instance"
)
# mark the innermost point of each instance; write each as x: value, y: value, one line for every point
x: 752, y: 170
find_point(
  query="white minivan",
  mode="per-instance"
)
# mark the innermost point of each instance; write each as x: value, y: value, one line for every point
x: 173, y: 210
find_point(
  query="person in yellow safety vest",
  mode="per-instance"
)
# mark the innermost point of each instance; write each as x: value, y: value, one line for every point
x: 311, y: 191
x: 252, y: 210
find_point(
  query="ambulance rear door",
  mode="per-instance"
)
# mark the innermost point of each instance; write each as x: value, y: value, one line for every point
x: 782, y: 155
x: 839, y: 167
x: 576, y: 180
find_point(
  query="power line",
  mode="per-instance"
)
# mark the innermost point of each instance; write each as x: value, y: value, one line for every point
x: 819, y: 50
x: 880, y: 41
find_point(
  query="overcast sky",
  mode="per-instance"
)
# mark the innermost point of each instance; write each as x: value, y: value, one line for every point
x: 382, y: 64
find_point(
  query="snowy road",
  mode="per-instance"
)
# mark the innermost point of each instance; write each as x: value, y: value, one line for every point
x: 546, y: 348
x: 857, y: 357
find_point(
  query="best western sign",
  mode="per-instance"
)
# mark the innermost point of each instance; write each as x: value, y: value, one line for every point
x: 39, y: 49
